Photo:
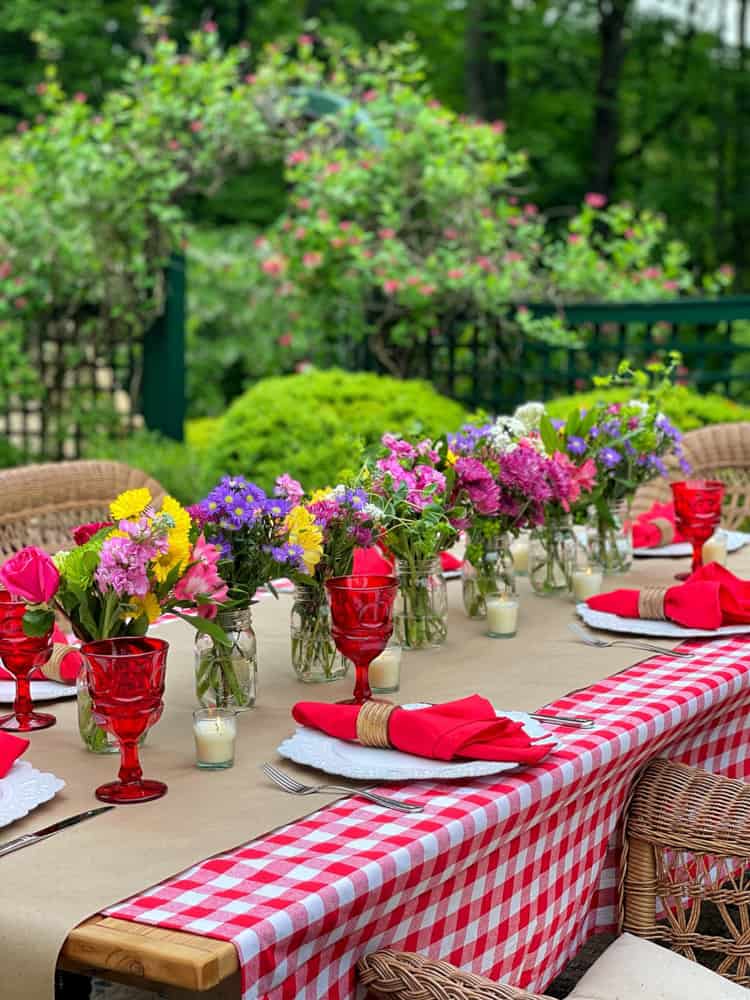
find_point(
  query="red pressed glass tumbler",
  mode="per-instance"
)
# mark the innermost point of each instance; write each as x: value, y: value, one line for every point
x: 126, y: 683
x: 361, y: 622
x: 21, y: 654
x: 697, y: 509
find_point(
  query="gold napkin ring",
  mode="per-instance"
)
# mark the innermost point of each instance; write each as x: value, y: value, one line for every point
x: 372, y: 724
x: 51, y: 668
x: 665, y: 528
x: 651, y: 603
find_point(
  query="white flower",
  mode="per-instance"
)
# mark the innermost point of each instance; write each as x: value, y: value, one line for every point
x: 639, y: 404
x: 530, y: 415
x: 505, y: 432
x: 373, y: 511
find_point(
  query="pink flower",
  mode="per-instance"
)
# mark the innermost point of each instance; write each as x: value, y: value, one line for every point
x: 22, y: 127
x: 312, y: 259
x: 305, y: 40
x: 250, y: 78
x: 31, y: 575
x: 365, y: 164
x: 84, y: 532
x: 288, y: 488
x: 397, y: 446
x: 386, y: 233
x: 323, y: 215
x: 300, y: 232
x: 297, y: 156
x: 455, y: 273
x: 303, y: 203
x: 201, y: 585
x: 585, y: 476
x: 427, y: 290
x: 337, y: 242
x: 391, y: 286
x: 285, y: 340
x: 434, y: 103
x: 196, y: 126
x: 79, y: 97
x: 450, y: 233
x: 522, y: 311
x: 512, y: 200
x: 486, y: 213
x: 21, y: 302
x: 515, y: 221
x: 671, y: 286
x: 274, y: 265
x: 41, y: 88
x: 367, y: 254
x: 513, y: 257
x: 595, y: 200
x: 651, y: 273
x: 485, y: 264
x: 574, y: 239
x: 173, y: 144
x: 345, y: 225
x: 332, y: 168
x: 260, y: 242
x: 498, y: 126
x: 413, y: 279
x: 5, y: 269
x: 210, y: 27
x: 630, y: 233
x: 286, y: 225
x: 369, y: 95
x: 530, y: 210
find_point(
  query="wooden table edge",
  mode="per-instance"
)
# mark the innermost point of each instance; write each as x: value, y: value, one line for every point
x: 145, y: 953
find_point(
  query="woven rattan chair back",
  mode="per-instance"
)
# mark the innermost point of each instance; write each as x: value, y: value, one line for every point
x: 721, y: 451
x: 686, y: 868
x: 41, y: 504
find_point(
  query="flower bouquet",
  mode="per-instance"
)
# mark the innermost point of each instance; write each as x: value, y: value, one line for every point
x: 124, y: 574
x: 256, y: 546
x: 413, y: 497
x: 627, y: 442
x: 339, y: 520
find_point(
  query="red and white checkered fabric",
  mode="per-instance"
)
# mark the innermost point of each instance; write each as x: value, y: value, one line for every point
x: 504, y: 876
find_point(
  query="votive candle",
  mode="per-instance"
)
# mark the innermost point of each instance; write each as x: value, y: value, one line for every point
x: 215, y: 732
x: 715, y: 549
x: 502, y: 616
x: 519, y: 549
x: 586, y: 583
x: 385, y: 671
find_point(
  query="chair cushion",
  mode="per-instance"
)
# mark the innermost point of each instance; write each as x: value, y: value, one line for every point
x: 635, y: 969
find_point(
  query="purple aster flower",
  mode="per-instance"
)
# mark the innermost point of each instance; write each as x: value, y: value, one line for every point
x: 611, y: 427
x: 656, y: 463
x: 277, y: 507
x: 609, y: 457
x: 594, y: 432
x: 287, y: 554
x: 685, y: 465
x: 558, y: 424
x: 576, y: 445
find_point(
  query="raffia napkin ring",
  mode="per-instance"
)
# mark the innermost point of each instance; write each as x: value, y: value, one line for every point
x: 51, y: 668
x: 651, y: 603
x: 665, y: 528
x: 372, y: 724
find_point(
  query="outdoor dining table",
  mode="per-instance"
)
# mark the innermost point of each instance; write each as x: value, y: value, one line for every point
x: 229, y: 883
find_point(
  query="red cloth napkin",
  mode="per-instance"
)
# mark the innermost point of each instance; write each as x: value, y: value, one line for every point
x: 376, y: 562
x: 467, y: 728
x: 646, y: 534
x: 709, y: 598
x: 69, y: 665
x: 11, y: 747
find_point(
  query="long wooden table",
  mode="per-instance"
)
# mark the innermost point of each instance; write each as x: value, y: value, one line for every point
x: 544, y: 662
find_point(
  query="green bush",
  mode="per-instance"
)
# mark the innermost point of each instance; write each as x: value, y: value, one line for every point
x: 315, y: 425
x: 686, y: 408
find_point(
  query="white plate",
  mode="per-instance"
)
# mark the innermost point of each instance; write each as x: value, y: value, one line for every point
x: 24, y: 788
x: 40, y: 691
x: 735, y: 540
x: 316, y: 749
x: 642, y: 626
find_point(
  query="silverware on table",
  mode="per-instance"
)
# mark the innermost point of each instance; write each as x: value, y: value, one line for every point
x: 568, y: 721
x: 27, y: 839
x: 593, y: 640
x: 289, y: 784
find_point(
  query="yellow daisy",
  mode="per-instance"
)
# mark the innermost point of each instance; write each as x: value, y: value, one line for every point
x: 319, y: 495
x: 303, y: 531
x: 130, y: 504
x: 147, y: 605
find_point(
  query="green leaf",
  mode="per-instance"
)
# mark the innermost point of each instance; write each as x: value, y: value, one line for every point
x: 38, y: 621
x: 550, y: 437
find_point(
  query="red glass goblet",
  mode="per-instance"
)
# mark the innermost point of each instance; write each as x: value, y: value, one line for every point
x: 697, y: 509
x: 361, y: 622
x: 126, y: 682
x: 21, y: 654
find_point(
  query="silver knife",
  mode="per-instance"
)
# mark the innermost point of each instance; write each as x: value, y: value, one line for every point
x: 569, y: 721
x: 49, y: 831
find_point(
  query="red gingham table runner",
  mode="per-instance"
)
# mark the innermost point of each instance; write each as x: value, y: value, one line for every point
x: 504, y: 876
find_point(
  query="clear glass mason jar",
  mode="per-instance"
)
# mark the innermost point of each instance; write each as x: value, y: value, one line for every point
x: 420, y: 613
x: 487, y: 569
x: 552, y: 557
x: 608, y: 540
x: 314, y: 655
x: 94, y: 738
x: 227, y: 676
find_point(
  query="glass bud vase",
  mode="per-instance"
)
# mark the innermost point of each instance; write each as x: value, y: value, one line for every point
x: 314, y: 655
x: 420, y: 613
x: 94, y: 738
x: 487, y: 569
x: 609, y: 541
x: 552, y: 557
x: 226, y: 676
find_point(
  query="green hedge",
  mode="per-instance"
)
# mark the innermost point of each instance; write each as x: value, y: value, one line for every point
x: 686, y: 408
x: 315, y: 425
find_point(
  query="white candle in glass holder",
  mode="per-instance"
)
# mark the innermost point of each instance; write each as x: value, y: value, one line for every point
x: 519, y: 549
x: 715, y: 549
x: 502, y: 617
x: 215, y: 733
x: 586, y: 583
x: 385, y: 670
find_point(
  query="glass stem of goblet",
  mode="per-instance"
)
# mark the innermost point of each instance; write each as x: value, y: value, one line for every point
x: 22, y: 706
x: 697, y: 555
x: 130, y: 765
x: 362, y: 690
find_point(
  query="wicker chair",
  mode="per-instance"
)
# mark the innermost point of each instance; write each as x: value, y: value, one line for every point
x: 40, y: 504
x: 687, y: 835
x: 721, y: 451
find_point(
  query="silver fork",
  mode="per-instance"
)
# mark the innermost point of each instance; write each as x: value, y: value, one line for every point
x: 592, y: 640
x: 289, y: 784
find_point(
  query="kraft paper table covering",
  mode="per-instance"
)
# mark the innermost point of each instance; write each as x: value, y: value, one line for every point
x: 47, y: 889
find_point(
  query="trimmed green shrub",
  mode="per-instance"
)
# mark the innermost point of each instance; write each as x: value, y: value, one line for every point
x: 315, y: 425
x: 10, y: 456
x: 685, y: 407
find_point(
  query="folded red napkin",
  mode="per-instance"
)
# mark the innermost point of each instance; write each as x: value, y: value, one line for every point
x: 61, y: 667
x: 11, y: 747
x: 375, y: 561
x: 709, y: 598
x: 467, y: 728
x: 656, y: 527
